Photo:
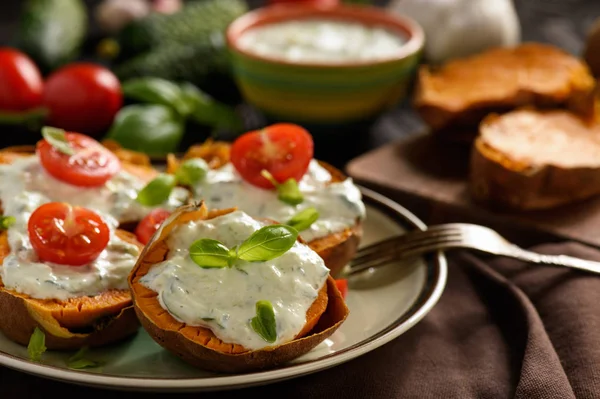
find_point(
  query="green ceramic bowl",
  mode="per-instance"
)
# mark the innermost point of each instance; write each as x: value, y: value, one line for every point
x: 321, y: 93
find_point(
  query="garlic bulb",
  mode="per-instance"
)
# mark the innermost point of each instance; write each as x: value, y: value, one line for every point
x: 458, y: 28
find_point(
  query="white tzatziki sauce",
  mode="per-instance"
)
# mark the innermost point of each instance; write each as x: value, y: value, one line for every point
x: 339, y: 204
x: 25, y: 186
x: 224, y: 299
x: 322, y: 40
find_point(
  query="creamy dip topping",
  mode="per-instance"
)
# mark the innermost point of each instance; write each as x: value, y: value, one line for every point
x: 321, y: 40
x: 24, y: 186
x: 224, y: 299
x: 339, y: 204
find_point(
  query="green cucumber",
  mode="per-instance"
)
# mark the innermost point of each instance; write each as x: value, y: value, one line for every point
x: 52, y: 32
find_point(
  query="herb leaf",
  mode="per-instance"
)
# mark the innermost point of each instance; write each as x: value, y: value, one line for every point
x: 267, y: 243
x: 304, y: 219
x: 57, y: 139
x: 157, y: 191
x: 208, y: 253
x: 6, y: 222
x: 191, y: 171
x: 78, y: 360
x: 264, y: 322
x: 288, y: 191
x: 37, y: 345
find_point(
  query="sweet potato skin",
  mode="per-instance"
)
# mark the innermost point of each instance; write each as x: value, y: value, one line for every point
x: 20, y: 315
x: 495, y: 184
x: 199, y: 346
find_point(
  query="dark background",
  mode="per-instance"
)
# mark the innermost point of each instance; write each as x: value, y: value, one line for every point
x: 564, y: 23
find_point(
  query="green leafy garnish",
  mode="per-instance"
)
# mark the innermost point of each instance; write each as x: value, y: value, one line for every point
x: 58, y: 139
x: 267, y: 243
x: 264, y: 244
x: 37, y: 345
x: 209, y: 253
x: 6, y: 222
x: 264, y: 321
x: 304, y: 219
x: 191, y: 171
x: 79, y: 361
x: 288, y: 191
x: 157, y: 191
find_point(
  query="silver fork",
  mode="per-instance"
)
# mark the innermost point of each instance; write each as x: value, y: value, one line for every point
x: 454, y: 235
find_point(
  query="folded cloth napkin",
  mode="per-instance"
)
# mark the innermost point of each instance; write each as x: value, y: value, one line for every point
x: 502, y: 329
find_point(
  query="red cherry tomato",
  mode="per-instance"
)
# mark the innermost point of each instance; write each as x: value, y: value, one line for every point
x: 323, y: 3
x: 91, y: 166
x: 149, y: 224
x: 82, y: 97
x: 283, y: 149
x: 67, y: 235
x: 21, y: 83
x: 342, y: 286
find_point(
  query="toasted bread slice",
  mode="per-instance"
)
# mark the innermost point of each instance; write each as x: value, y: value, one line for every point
x: 458, y: 95
x: 528, y: 159
x: 74, y: 323
x: 336, y: 249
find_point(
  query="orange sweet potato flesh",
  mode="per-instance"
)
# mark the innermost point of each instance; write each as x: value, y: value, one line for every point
x: 454, y: 98
x: 199, y: 346
x: 336, y: 249
x: 74, y: 323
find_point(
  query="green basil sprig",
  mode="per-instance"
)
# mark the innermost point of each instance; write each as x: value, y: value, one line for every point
x: 80, y: 361
x: 191, y: 171
x: 288, y: 191
x: 157, y: 191
x: 6, y: 222
x: 264, y: 322
x: 57, y: 139
x: 264, y: 244
x: 154, y: 90
x: 304, y: 219
x: 37, y: 345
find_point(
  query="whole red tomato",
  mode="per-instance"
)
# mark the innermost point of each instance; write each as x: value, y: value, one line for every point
x: 21, y: 83
x: 324, y: 3
x: 82, y: 97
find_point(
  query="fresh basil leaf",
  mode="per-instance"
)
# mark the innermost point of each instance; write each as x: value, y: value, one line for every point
x: 304, y: 219
x: 37, y: 345
x: 57, y: 139
x: 289, y: 192
x: 154, y: 129
x: 191, y: 171
x: 79, y: 361
x: 155, y: 90
x: 208, y: 253
x: 157, y: 191
x: 267, y: 243
x: 264, y: 322
x: 207, y: 111
x: 6, y: 222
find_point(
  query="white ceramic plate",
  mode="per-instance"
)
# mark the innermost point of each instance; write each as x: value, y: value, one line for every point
x: 384, y: 303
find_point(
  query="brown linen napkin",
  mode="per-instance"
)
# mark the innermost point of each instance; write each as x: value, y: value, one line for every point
x: 502, y: 329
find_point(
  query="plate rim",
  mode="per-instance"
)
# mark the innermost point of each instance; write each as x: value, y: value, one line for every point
x: 437, y: 274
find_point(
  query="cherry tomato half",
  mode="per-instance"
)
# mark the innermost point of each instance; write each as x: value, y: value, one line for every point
x: 82, y: 97
x: 342, y: 286
x: 149, y: 224
x: 283, y: 149
x: 21, y: 83
x: 67, y: 235
x: 91, y: 166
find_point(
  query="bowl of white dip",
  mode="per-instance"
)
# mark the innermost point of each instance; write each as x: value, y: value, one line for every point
x: 324, y: 65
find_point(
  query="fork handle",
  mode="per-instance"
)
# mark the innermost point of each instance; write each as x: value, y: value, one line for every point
x: 554, y: 260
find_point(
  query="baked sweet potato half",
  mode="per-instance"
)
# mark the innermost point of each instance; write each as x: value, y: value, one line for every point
x: 68, y: 324
x: 454, y: 98
x: 336, y: 249
x: 199, y: 345
x: 528, y: 159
